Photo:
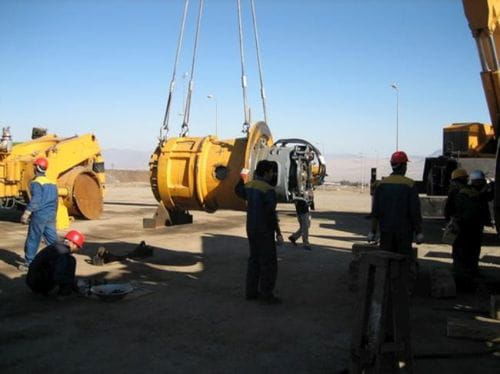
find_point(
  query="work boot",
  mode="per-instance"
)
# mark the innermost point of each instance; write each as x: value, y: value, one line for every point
x: 292, y: 240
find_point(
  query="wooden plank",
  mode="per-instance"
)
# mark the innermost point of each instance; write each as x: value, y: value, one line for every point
x: 359, y: 248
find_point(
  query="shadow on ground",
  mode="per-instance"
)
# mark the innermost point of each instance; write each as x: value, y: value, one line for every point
x: 195, y: 311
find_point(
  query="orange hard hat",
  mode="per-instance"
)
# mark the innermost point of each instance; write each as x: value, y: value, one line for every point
x: 399, y: 157
x: 42, y: 163
x: 75, y: 237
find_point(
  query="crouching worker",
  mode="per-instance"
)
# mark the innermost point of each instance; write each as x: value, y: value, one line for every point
x: 54, y: 266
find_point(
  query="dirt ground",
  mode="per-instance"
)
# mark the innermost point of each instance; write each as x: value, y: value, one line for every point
x: 191, y: 316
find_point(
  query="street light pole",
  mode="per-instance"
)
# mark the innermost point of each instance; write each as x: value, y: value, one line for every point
x: 394, y: 85
x: 212, y: 97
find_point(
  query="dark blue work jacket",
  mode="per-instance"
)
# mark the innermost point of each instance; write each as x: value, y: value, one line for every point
x: 261, y: 205
x: 396, y: 205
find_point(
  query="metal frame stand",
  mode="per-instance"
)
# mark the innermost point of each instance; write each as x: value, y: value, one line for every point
x: 381, y: 335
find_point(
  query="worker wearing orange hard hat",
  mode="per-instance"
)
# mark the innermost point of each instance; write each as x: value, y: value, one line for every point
x: 459, y: 180
x: 396, y: 212
x: 40, y: 212
x: 55, y: 267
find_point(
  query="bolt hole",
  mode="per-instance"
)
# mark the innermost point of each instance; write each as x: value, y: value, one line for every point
x: 221, y: 172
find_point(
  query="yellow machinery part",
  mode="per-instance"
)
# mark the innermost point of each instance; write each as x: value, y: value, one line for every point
x: 75, y: 164
x: 84, y: 197
x: 482, y: 14
x: 62, y: 216
x: 484, y: 21
x: 200, y: 173
x: 475, y: 136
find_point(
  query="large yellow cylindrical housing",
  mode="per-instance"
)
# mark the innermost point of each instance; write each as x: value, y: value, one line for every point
x: 200, y: 173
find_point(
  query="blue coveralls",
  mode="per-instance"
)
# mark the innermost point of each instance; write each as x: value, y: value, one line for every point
x: 261, y: 227
x: 43, y: 207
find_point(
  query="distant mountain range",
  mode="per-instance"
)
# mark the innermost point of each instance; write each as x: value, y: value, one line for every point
x: 348, y: 167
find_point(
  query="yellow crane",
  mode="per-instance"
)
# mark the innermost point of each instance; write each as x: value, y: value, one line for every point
x: 484, y: 22
x: 474, y: 145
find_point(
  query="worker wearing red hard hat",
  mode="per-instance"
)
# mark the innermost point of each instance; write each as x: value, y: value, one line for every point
x: 399, y: 157
x: 54, y: 266
x: 396, y: 212
x: 40, y: 212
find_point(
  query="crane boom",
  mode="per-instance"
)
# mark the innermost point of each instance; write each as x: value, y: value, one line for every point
x: 484, y: 22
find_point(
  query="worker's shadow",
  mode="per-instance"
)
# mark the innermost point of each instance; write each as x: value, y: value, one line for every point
x: 11, y: 215
x: 126, y: 253
x: 490, y: 259
x: 352, y: 222
x: 10, y: 258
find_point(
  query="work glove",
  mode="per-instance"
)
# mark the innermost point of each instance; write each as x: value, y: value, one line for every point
x: 279, y: 239
x: 244, y: 174
x: 419, y: 238
x: 25, y: 217
x: 371, y: 237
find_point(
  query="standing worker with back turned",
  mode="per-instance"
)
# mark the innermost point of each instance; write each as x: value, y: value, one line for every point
x: 40, y: 212
x: 459, y: 180
x: 471, y: 214
x: 396, y: 212
x: 262, y: 226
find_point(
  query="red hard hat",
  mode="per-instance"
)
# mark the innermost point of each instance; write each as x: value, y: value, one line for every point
x: 399, y: 157
x: 42, y: 163
x: 75, y: 237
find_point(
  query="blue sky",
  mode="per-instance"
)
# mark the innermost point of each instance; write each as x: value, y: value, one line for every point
x: 105, y: 67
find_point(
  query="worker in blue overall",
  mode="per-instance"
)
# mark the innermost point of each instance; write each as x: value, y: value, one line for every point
x: 263, y: 232
x: 40, y: 213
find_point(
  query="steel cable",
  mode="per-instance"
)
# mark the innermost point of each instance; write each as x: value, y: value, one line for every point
x: 246, y: 110
x: 172, y: 82
x: 187, y: 109
x: 257, y: 47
